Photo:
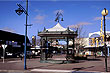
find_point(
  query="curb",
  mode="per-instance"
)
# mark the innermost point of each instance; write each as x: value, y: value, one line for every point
x: 50, y: 71
x: 15, y: 71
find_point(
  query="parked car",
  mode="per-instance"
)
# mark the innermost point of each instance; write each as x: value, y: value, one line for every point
x: 13, y: 55
x: 29, y: 54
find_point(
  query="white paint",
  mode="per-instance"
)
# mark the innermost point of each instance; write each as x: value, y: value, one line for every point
x: 58, y: 27
x: 14, y: 61
x: 98, y: 33
x: 59, y: 59
x: 48, y: 70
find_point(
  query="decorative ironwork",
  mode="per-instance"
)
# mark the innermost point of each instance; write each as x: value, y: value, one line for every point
x: 20, y: 10
x: 58, y: 16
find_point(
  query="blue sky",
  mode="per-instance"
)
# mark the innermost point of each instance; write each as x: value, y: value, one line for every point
x: 43, y: 13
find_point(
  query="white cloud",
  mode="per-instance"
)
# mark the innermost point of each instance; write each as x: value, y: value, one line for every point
x: 79, y: 24
x: 61, y: 11
x: 37, y: 10
x: 108, y: 18
x: 96, y: 7
x: 99, y: 18
x: 53, y: 0
x: 40, y: 19
x: 8, y: 29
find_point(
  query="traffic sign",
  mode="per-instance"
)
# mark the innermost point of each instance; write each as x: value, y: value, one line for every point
x: 4, y: 46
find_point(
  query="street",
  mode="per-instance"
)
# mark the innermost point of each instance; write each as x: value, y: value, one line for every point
x: 33, y: 65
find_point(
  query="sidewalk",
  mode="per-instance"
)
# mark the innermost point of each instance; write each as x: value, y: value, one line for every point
x: 34, y: 65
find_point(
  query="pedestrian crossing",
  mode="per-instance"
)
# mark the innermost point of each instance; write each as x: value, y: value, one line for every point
x: 62, y: 71
x: 14, y: 61
x: 51, y: 70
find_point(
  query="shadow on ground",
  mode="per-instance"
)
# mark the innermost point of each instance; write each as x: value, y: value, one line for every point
x: 82, y: 68
x: 40, y: 67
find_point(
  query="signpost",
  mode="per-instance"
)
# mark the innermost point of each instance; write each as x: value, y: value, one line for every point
x: 4, y: 46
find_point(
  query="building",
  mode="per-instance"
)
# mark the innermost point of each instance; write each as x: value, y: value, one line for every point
x: 96, y: 43
x: 81, y: 42
x: 14, y: 42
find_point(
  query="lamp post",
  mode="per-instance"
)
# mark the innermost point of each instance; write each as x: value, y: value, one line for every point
x: 19, y: 11
x: 104, y: 13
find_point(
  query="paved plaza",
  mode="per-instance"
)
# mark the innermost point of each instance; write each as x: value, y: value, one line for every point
x: 34, y: 65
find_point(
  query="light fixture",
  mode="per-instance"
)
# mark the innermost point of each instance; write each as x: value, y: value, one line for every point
x: 19, y: 11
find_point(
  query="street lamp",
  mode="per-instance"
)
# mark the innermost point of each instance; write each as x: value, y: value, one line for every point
x: 19, y: 11
x: 104, y: 13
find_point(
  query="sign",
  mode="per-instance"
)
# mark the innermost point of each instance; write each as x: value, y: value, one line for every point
x: 4, y: 46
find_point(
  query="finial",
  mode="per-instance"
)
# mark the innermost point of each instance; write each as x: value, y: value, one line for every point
x: 44, y: 29
x: 59, y: 16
